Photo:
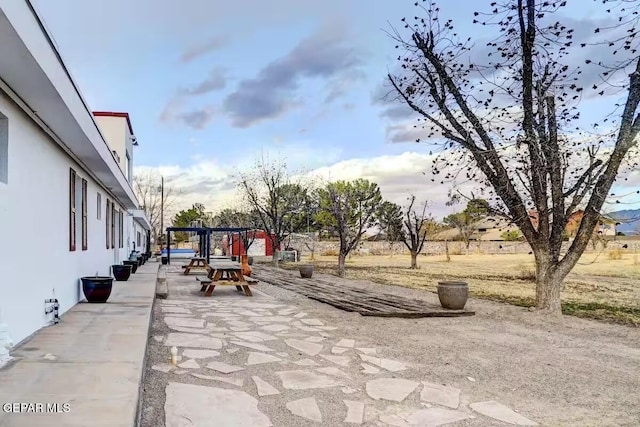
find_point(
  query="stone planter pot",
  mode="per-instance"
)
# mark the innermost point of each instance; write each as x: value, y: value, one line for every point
x: 250, y: 260
x: 306, y: 271
x: 97, y: 289
x: 133, y: 264
x: 453, y: 295
x: 121, y: 272
x: 165, y: 260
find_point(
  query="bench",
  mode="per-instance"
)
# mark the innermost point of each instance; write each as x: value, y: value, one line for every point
x: 206, y: 282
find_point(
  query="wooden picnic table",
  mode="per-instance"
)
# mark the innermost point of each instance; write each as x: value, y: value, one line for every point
x: 196, y: 262
x: 226, y: 273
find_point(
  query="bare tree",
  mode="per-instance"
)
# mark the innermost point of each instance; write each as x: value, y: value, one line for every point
x: 510, y: 122
x: 415, y: 232
x: 147, y: 188
x: 277, y: 199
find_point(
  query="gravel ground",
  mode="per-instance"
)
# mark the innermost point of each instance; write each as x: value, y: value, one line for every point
x: 558, y: 372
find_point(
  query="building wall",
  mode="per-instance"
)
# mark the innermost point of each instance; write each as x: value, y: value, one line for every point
x: 34, y: 224
x: 115, y: 132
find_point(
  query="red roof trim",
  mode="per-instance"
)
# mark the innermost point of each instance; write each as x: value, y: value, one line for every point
x: 114, y: 114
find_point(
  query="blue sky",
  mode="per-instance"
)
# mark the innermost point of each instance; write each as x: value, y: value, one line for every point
x: 210, y: 84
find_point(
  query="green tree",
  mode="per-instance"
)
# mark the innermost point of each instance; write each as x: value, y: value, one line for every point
x: 466, y: 220
x: 348, y: 209
x: 185, y: 218
x: 389, y: 217
x: 511, y: 235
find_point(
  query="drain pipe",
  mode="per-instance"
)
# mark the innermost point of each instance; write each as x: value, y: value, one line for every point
x: 6, y: 343
x: 53, y: 309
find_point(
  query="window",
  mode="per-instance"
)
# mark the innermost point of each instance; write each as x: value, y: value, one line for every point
x: 99, y: 205
x: 139, y: 239
x: 72, y: 210
x: 121, y: 229
x: 85, y: 244
x: 4, y: 149
x: 113, y: 225
x: 108, y: 224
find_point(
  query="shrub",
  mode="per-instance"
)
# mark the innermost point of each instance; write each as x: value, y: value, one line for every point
x: 527, y: 272
x: 615, y: 254
x: 330, y: 252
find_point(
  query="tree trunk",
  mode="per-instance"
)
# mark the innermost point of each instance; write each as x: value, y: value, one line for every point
x: 414, y: 259
x: 276, y: 258
x: 341, y: 262
x: 446, y: 250
x: 549, y: 284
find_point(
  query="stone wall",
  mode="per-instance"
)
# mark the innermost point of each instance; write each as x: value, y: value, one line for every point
x: 455, y: 248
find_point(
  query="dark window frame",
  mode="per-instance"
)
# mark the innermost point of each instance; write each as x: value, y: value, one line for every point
x: 72, y: 210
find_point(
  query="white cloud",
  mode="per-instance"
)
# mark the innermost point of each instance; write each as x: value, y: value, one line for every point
x: 397, y: 175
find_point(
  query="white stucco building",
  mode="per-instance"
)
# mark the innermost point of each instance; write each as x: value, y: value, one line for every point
x: 67, y: 208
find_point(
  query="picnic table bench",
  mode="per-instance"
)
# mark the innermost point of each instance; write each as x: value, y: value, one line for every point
x: 226, y: 273
x: 196, y: 262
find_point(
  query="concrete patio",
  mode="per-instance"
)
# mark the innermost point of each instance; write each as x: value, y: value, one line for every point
x: 92, y: 360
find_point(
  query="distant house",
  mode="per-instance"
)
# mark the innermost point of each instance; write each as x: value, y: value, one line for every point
x: 489, y: 228
x: 493, y: 228
x: 606, y: 226
x: 67, y: 208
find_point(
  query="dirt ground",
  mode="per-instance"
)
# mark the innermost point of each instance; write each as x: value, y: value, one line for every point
x: 556, y: 371
x: 599, y: 287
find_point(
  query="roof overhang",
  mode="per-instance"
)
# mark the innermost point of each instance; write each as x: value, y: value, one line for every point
x: 31, y: 67
x: 140, y: 217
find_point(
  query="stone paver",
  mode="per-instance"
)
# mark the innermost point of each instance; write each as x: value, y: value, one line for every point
x: 395, y: 389
x: 259, y: 358
x: 209, y: 406
x: 440, y: 395
x: 304, y: 380
x: 225, y: 368
x: 355, y: 412
x: 304, y: 346
x: 306, y: 408
x: 501, y: 412
x: 263, y: 387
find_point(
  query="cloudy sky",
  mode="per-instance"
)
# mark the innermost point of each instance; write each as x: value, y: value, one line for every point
x: 211, y: 84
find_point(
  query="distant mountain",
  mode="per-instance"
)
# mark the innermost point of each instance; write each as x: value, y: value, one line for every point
x: 629, y: 221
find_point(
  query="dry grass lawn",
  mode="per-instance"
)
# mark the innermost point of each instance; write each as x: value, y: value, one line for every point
x: 599, y: 287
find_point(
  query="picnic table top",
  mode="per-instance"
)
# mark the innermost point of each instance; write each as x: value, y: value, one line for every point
x: 221, y: 265
x: 198, y: 258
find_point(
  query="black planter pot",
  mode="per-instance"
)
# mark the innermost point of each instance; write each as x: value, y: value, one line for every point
x: 97, y: 289
x: 133, y: 264
x: 121, y: 272
x: 250, y: 260
x: 165, y: 260
x: 234, y: 258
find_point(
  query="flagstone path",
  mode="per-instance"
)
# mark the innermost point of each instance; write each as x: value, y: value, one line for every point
x: 258, y: 362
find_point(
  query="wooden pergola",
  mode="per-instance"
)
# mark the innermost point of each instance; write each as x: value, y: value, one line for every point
x: 204, y: 233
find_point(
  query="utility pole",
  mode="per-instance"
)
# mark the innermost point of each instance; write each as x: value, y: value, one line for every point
x: 161, y: 210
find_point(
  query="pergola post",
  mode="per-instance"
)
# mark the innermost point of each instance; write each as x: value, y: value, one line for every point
x: 168, y: 247
x: 208, y: 244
